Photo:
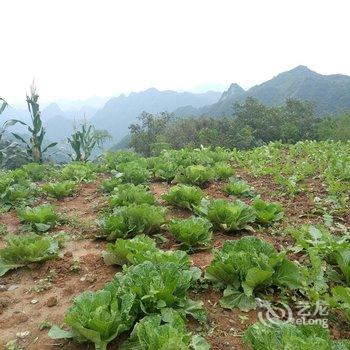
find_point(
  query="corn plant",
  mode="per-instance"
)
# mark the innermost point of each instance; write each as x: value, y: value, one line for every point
x: 3, y: 105
x: 34, y: 147
x: 2, y: 108
x: 84, y: 141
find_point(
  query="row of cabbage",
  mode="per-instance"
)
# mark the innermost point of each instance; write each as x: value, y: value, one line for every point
x: 146, y: 297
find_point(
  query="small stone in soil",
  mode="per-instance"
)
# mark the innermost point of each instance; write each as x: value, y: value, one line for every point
x: 19, y: 317
x: 12, y: 287
x: 22, y: 335
x: 2, y: 288
x: 68, y: 254
x: 52, y: 301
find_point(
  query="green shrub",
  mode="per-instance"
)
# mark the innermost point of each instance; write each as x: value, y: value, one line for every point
x: 192, y: 234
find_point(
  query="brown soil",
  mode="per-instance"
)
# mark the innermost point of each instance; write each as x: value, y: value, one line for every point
x: 45, y: 292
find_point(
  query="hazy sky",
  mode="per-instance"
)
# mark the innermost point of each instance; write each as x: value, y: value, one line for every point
x: 81, y: 48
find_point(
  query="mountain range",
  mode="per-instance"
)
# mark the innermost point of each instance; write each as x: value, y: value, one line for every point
x: 329, y: 93
x: 118, y: 113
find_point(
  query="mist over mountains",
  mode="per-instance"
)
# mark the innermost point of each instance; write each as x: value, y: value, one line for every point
x: 118, y: 113
x: 329, y: 93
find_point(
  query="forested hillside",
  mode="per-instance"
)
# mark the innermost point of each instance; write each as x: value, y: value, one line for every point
x: 329, y: 93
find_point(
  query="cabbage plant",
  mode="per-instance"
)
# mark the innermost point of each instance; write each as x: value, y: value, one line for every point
x: 267, y: 213
x: 166, y: 331
x: 40, y: 218
x: 280, y: 335
x: 127, y: 194
x: 193, y: 233
x: 132, y: 220
x: 246, y: 267
x: 230, y: 216
x: 184, y: 196
x: 26, y: 249
x: 59, y: 190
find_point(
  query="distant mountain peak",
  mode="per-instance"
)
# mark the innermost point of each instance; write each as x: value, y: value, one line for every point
x: 301, y: 68
x: 52, y: 110
x: 152, y: 89
x: 53, y: 107
x: 232, y: 92
x: 298, y: 71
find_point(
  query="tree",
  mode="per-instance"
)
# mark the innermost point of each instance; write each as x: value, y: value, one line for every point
x: 148, y: 131
x: 263, y: 120
x: 34, y: 147
x: 293, y: 121
x: 335, y: 128
x: 298, y: 121
x: 84, y: 141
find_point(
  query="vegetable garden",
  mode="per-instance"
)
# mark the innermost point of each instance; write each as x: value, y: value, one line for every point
x: 177, y: 251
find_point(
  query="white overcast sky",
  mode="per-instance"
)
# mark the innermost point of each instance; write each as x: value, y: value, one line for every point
x: 76, y: 49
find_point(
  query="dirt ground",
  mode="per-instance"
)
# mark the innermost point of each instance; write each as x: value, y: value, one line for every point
x: 35, y: 297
